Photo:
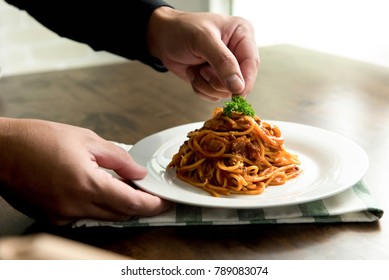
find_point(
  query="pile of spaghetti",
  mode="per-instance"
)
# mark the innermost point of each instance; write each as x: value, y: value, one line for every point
x: 235, y: 153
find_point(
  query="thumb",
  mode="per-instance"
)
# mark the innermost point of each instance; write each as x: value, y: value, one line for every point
x: 113, y: 157
x: 225, y: 65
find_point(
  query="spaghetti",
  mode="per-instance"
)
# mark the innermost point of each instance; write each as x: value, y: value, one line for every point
x: 235, y: 154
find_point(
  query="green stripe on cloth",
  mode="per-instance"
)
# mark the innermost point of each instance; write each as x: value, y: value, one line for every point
x: 318, y: 211
x: 190, y: 215
x: 328, y: 219
x: 130, y: 223
x: 314, y: 208
x: 251, y: 214
x: 363, y: 193
x: 254, y: 216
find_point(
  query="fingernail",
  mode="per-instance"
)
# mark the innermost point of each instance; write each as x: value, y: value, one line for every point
x: 235, y: 84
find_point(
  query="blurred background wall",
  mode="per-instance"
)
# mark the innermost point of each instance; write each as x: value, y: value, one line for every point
x: 356, y: 29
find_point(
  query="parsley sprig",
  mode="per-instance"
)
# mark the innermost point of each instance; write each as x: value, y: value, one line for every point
x: 238, y: 104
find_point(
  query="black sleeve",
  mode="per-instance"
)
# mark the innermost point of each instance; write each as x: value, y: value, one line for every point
x: 116, y: 26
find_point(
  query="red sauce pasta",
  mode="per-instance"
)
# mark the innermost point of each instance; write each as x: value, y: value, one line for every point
x: 235, y: 155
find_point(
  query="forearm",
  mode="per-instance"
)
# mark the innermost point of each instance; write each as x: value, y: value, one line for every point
x: 12, y: 133
x: 7, y: 128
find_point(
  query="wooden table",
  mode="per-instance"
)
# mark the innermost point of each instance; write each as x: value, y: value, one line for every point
x: 126, y: 102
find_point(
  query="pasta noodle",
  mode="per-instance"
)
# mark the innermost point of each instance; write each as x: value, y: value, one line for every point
x: 235, y: 155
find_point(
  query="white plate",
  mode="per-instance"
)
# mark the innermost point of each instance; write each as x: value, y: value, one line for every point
x: 331, y: 164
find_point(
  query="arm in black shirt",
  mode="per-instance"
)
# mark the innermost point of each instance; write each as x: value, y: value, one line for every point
x: 116, y: 26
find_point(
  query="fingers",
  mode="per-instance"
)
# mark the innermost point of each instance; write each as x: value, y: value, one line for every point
x: 113, y: 198
x: 244, y: 47
x: 249, y: 69
x: 209, y: 75
x: 113, y: 157
x: 121, y: 201
x: 109, y: 200
x: 247, y: 54
x: 139, y: 203
x: 206, y: 85
x: 233, y: 58
x: 224, y: 64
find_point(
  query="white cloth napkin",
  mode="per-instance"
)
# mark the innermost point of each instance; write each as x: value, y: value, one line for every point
x: 353, y: 205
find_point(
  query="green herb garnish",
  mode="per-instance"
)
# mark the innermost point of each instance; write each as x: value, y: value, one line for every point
x: 238, y: 104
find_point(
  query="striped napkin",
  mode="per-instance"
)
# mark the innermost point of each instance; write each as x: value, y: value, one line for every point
x: 353, y: 205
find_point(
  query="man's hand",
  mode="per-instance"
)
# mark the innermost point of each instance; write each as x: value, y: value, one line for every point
x: 217, y: 54
x: 55, y: 171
